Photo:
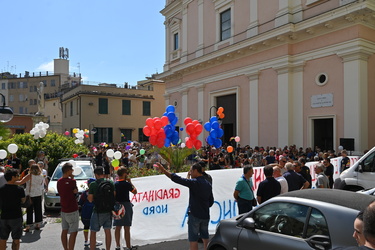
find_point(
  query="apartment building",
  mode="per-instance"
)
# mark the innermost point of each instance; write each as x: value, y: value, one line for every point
x: 112, y: 114
x: 21, y: 90
x: 286, y: 71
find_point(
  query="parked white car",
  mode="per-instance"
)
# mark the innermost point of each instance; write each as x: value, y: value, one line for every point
x: 83, y: 170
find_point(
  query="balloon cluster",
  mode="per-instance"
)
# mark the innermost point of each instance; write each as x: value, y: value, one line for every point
x: 193, y: 129
x: 116, y: 155
x: 160, y: 136
x: 39, y: 130
x: 12, y: 148
x: 220, y: 113
x: 79, y: 134
x: 170, y: 130
x: 213, y: 127
x: 154, y: 130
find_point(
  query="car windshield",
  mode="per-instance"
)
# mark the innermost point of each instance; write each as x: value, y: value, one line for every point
x: 86, y: 173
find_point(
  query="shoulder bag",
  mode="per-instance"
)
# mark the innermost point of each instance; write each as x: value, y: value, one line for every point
x: 28, y: 202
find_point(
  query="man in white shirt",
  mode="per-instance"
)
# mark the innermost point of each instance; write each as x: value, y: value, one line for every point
x: 283, y: 183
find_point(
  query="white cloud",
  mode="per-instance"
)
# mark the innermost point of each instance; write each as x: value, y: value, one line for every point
x: 46, y: 66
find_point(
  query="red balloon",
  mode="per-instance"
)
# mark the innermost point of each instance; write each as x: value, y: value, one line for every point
x: 160, y: 142
x: 193, y: 136
x: 187, y: 121
x: 198, y: 128
x: 150, y: 122
x: 146, y: 130
x: 189, y: 143
x: 190, y: 128
x: 161, y: 134
x: 195, y: 122
x: 158, y: 124
x: 75, y: 155
x: 164, y: 120
x: 197, y: 144
x: 152, y: 139
x: 153, y: 131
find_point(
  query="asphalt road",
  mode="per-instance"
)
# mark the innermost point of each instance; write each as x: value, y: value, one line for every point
x: 49, y: 238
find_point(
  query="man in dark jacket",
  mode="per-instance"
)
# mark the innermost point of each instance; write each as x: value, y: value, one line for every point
x: 200, y: 201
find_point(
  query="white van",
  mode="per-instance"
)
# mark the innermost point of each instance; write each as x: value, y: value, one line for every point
x: 361, y: 175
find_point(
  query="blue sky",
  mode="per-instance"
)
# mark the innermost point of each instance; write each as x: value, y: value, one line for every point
x: 113, y: 41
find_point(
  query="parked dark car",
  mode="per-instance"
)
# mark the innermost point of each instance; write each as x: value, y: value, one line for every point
x: 304, y: 219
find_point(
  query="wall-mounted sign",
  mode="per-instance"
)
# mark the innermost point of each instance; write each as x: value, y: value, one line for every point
x: 324, y: 100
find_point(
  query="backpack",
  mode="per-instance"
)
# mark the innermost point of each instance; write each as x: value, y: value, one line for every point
x: 104, y: 198
x: 86, y: 206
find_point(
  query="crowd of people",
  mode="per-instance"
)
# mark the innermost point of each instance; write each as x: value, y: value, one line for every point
x: 284, y: 170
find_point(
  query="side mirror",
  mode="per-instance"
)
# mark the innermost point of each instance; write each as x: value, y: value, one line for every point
x: 360, y: 167
x: 249, y: 223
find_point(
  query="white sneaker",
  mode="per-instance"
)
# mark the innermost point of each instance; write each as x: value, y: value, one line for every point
x: 98, y: 243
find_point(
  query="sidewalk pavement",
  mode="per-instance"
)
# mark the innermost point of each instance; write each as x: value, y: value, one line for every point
x: 49, y: 238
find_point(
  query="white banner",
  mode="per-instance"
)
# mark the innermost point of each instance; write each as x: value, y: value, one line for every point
x: 160, y: 206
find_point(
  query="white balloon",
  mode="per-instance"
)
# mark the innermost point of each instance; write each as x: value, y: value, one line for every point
x: 110, y: 152
x: 76, y: 141
x: 73, y: 163
x: 77, y: 170
x: 183, y: 145
x: 3, y: 154
x: 32, y: 131
x: 117, y: 155
x: 341, y: 148
x: 12, y: 148
x: 36, y: 135
x: 46, y: 125
x: 42, y: 134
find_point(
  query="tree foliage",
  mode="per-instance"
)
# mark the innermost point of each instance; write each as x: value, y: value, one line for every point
x: 55, y: 146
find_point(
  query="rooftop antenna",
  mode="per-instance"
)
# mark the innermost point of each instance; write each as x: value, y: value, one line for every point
x: 79, y: 68
x: 63, y: 53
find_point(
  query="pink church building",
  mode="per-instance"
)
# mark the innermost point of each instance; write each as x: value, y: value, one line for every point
x: 285, y: 71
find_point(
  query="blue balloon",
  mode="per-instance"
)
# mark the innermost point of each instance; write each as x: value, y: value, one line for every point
x: 174, y: 122
x: 168, y: 130
x: 213, y: 119
x: 217, y: 143
x: 215, y: 125
x: 210, y: 141
x: 181, y: 129
x: 165, y: 114
x: 175, y: 138
x: 170, y: 108
x: 213, y: 134
x: 220, y: 133
x: 207, y: 126
x: 167, y: 142
x: 171, y: 116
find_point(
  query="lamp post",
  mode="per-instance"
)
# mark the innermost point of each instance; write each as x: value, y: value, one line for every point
x: 92, y: 131
x: 6, y: 113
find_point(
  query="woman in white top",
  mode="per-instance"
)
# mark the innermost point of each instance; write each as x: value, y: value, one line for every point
x: 34, y: 187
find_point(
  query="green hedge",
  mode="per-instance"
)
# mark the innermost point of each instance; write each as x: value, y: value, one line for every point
x: 56, y: 146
